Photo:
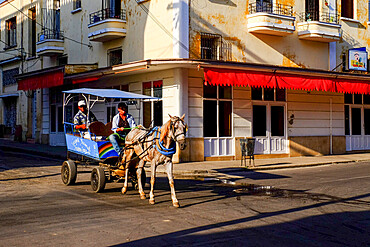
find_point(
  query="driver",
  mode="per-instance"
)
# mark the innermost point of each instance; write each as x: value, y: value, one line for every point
x: 121, y: 124
x: 80, y: 119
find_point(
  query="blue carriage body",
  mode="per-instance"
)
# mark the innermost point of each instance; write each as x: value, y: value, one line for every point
x: 95, y: 149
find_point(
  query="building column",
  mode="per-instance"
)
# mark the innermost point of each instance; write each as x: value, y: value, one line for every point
x: 181, y: 82
x: 180, y: 28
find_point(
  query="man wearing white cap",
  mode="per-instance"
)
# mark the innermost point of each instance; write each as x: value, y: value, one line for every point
x: 80, y: 119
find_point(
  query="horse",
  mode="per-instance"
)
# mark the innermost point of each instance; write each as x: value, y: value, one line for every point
x: 156, y: 146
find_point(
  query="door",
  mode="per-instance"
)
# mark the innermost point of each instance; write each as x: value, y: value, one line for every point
x: 358, y: 129
x: 269, y: 129
x: 10, y: 113
x: 312, y: 10
x: 264, y: 6
x: 217, y: 121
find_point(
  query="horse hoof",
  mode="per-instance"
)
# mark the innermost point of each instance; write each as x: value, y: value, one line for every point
x: 176, y: 204
x: 123, y: 190
x: 142, y: 197
x: 152, y: 202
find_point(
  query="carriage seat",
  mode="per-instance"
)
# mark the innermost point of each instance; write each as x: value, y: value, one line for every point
x: 100, y: 130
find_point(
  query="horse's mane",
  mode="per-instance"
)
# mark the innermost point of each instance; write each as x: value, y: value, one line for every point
x: 164, y: 130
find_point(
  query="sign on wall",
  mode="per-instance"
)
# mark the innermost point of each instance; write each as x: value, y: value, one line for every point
x: 357, y: 59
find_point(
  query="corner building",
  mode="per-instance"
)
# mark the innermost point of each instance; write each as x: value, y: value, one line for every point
x: 282, y: 72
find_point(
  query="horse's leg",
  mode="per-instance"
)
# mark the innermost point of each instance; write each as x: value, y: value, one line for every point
x: 169, y: 170
x: 127, y: 157
x: 138, y: 173
x: 152, y: 181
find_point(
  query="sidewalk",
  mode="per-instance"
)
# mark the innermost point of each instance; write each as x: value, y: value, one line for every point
x: 204, y: 167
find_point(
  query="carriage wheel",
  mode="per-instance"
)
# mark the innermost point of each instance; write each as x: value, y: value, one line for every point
x: 69, y: 172
x: 97, y: 179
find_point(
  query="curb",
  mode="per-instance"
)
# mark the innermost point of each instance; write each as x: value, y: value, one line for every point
x: 204, y: 173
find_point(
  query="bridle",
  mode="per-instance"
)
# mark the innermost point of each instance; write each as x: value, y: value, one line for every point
x: 172, y: 126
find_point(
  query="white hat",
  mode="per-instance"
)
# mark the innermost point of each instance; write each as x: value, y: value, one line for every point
x: 81, y: 103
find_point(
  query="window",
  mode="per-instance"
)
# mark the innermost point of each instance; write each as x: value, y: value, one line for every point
x: 268, y: 94
x: 210, y: 46
x: 217, y: 111
x: 62, y: 60
x: 347, y: 8
x: 11, y: 32
x: 32, y: 32
x: 153, y: 111
x: 76, y: 4
x: 8, y: 76
x: 114, y: 57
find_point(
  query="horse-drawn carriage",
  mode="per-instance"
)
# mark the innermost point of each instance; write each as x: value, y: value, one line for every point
x: 92, y: 148
x: 156, y: 145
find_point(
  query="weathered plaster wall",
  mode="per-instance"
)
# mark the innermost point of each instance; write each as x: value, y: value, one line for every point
x: 229, y: 19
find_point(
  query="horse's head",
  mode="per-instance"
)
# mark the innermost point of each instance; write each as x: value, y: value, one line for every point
x: 178, y: 130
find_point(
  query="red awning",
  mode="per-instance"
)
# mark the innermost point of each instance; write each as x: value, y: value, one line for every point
x: 87, y: 79
x: 45, y: 80
x: 232, y: 77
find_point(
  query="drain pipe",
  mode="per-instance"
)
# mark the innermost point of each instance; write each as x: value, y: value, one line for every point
x: 331, y: 126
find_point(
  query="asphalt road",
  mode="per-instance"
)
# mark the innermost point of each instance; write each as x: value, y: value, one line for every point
x: 317, y: 206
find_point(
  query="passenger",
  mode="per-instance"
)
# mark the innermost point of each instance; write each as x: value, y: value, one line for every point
x: 121, y: 124
x: 80, y: 119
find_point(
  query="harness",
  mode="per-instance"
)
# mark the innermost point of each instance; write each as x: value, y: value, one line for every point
x: 160, y: 148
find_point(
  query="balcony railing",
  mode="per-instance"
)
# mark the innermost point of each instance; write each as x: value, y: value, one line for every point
x: 50, y: 34
x: 319, y: 16
x: 107, y: 14
x: 278, y: 9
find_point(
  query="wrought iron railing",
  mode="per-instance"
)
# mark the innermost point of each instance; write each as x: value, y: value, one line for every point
x: 279, y: 9
x: 50, y: 34
x: 214, y: 47
x: 107, y: 14
x: 322, y: 16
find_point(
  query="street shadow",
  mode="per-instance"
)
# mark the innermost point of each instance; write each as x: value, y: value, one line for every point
x: 250, y: 174
x: 338, y: 229
x: 334, y: 229
x: 14, y: 160
x: 27, y: 178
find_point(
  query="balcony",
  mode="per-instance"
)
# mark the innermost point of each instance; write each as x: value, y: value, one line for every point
x: 107, y: 24
x: 50, y: 43
x: 321, y: 27
x: 272, y: 19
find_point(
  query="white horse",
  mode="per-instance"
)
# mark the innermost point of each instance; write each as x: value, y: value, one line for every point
x: 156, y: 146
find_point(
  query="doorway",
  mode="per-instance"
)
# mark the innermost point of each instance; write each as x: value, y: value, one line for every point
x: 268, y: 120
x: 269, y: 129
x: 357, y: 121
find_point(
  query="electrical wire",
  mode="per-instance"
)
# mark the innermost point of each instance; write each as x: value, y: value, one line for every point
x: 18, y: 49
x: 43, y: 27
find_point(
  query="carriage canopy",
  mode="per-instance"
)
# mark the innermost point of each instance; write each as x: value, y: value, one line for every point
x: 109, y: 93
